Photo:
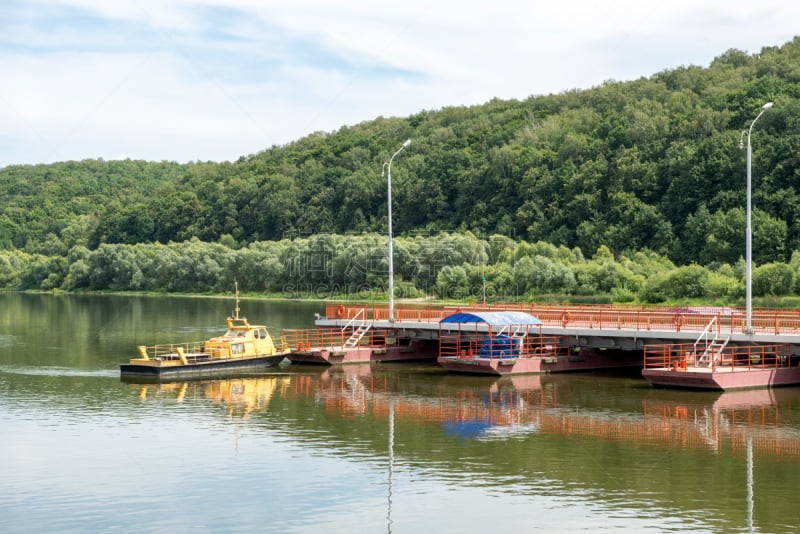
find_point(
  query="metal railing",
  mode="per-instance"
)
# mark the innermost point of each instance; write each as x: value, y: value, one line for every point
x: 311, y: 338
x: 201, y: 350
x: 683, y: 356
x: 592, y: 316
x: 468, y: 342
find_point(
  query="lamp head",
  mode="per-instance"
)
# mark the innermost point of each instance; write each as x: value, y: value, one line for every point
x: 408, y: 141
x: 766, y: 106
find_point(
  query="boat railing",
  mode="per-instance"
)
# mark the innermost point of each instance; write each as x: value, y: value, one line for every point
x: 174, y: 351
x: 687, y: 356
x: 203, y: 350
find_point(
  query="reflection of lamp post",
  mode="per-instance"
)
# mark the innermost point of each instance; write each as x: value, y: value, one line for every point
x: 391, y: 465
x: 749, y: 482
x: 748, y: 230
x: 388, y: 165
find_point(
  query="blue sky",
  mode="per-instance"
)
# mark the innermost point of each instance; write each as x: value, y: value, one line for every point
x: 207, y: 80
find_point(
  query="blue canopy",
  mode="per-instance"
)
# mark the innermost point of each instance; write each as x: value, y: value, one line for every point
x: 710, y: 310
x: 493, y: 318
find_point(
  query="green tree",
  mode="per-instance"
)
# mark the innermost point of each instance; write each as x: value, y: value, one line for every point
x: 773, y: 279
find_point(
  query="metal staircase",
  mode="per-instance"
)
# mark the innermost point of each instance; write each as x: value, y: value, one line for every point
x: 517, y: 337
x: 358, y: 332
x: 519, y: 334
x: 712, y: 353
x: 356, y: 336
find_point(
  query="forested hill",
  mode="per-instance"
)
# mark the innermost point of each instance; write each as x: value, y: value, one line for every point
x: 653, y: 163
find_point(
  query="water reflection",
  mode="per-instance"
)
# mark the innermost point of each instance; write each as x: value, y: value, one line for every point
x: 240, y: 396
x: 729, y: 421
x: 560, y: 437
x: 487, y: 409
x: 395, y: 447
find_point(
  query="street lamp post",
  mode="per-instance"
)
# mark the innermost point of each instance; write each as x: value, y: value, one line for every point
x: 749, y: 230
x: 388, y: 167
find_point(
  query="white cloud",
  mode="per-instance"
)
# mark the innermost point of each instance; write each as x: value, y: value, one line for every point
x: 205, y: 80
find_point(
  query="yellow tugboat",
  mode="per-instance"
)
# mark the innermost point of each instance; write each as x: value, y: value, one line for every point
x: 243, y: 346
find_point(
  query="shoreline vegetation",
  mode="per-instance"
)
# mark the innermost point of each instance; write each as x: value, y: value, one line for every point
x: 442, y: 268
x: 777, y: 302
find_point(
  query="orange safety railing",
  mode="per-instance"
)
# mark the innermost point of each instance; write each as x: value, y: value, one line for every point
x: 687, y: 356
x: 592, y: 316
x: 467, y: 342
x: 345, y: 311
x: 306, y: 339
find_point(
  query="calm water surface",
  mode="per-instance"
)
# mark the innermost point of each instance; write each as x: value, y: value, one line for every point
x: 368, y: 448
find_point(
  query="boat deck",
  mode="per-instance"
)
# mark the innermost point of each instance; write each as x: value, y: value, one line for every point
x: 730, y: 367
x: 628, y: 327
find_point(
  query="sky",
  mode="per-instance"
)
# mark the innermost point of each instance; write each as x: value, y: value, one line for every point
x: 207, y: 80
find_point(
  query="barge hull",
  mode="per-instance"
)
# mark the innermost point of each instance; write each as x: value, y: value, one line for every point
x: 337, y: 355
x: 585, y: 360
x: 201, y: 368
x: 723, y: 380
x: 330, y: 356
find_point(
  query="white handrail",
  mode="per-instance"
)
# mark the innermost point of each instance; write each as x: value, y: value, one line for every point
x: 352, y: 321
x: 705, y: 332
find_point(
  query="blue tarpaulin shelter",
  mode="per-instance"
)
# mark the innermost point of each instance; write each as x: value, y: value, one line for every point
x: 492, y: 318
x: 487, y: 334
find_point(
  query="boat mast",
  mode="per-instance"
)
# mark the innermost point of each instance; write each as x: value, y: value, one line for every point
x: 236, y: 310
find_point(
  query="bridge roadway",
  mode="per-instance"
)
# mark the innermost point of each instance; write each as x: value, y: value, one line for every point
x: 590, y: 326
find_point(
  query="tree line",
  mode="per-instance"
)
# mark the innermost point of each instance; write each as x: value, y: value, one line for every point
x: 451, y: 266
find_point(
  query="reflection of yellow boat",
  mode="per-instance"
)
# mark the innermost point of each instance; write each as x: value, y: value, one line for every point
x: 241, y: 396
x: 243, y: 346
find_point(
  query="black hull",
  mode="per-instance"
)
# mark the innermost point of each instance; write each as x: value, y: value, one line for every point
x: 200, y: 369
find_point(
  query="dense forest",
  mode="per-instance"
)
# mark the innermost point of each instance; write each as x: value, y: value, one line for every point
x: 651, y: 168
x: 449, y: 266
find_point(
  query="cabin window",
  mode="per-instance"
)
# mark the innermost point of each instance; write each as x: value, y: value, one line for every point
x: 261, y: 333
x: 236, y: 333
x: 237, y: 348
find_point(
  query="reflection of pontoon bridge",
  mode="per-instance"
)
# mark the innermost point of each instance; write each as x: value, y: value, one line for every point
x: 515, y: 405
x: 355, y: 390
x: 764, y: 415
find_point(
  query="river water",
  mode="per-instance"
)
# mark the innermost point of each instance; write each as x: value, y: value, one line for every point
x: 368, y: 448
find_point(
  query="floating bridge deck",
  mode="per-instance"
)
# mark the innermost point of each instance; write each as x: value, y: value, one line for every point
x: 590, y: 326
